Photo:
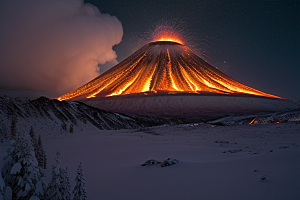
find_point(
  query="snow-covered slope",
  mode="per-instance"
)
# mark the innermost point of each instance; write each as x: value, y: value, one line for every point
x: 62, y: 117
x: 264, y: 118
x: 187, y: 105
x: 216, y: 162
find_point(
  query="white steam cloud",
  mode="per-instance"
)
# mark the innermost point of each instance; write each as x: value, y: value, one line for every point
x: 54, y: 45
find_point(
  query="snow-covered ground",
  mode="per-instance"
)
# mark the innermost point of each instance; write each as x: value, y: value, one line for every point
x: 190, y: 104
x: 216, y: 162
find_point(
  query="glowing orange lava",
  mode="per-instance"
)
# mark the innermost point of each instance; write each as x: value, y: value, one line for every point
x: 170, y: 39
x: 162, y: 66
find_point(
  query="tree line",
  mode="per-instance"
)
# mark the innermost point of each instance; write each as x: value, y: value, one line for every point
x: 22, y: 174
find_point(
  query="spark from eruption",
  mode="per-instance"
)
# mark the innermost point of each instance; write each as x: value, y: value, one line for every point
x: 175, y: 30
x: 169, y: 30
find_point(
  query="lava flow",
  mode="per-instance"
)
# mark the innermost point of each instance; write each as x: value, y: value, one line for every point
x: 162, y: 66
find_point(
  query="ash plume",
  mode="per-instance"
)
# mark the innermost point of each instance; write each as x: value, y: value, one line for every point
x: 54, y: 45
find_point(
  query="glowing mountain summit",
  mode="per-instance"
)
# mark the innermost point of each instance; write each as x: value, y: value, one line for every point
x: 161, y: 66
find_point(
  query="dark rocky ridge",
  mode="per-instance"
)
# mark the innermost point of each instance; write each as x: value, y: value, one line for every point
x: 64, y: 116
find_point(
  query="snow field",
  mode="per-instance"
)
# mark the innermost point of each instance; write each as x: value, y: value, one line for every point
x: 217, y: 162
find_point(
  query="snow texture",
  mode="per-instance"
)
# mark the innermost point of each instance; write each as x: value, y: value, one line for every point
x: 112, y: 161
x: 34, y: 198
x: 16, y: 168
x: 8, y: 193
x: 20, y: 171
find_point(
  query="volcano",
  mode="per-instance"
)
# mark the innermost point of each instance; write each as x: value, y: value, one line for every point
x: 167, y: 77
x: 161, y: 66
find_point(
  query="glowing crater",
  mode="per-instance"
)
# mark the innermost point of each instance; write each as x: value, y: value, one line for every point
x: 170, y: 39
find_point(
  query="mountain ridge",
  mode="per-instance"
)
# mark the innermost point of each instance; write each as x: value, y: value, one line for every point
x: 63, y: 116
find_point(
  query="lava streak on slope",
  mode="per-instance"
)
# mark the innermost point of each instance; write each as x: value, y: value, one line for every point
x: 161, y: 66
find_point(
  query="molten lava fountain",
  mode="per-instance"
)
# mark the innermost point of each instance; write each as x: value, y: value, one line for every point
x: 168, y: 68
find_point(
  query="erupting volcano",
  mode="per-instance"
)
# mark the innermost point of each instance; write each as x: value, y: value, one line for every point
x: 167, y: 78
x: 162, y: 66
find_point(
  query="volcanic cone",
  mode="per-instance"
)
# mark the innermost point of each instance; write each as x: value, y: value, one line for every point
x: 162, y: 66
x: 168, y: 79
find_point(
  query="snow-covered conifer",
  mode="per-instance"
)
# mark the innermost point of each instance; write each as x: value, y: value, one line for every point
x: 59, y: 186
x: 79, y: 192
x: 63, y: 126
x: 13, y: 129
x: 20, y: 170
x: 34, y: 143
x: 65, y: 180
x: 32, y: 134
x: 33, y: 138
x: 40, y: 154
x: 71, y: 129
x: 45, y: 161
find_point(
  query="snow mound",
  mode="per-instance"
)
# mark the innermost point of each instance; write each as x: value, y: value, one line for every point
x: 151, y: 162
x: 169, y: 162
x: 165, y: 163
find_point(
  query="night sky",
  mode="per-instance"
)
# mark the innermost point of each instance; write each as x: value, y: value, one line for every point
x: 255, y: 42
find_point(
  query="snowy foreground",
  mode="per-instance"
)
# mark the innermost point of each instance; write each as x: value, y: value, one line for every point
x: 216, y: 162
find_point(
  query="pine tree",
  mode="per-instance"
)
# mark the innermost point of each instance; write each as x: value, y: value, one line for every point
x: 32, y: 134
x: 40, y: 154
x: 71, y: 129
x: 64, y: 126
x: 13, y: 129
x: 45, y: 161
x: 59, y: 186
x: 65, y: 180
x: 79, y: 192
x: 33, y: 140
x: 20, y: 170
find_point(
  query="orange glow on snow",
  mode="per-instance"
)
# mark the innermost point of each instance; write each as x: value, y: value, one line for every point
x: 162, y: 66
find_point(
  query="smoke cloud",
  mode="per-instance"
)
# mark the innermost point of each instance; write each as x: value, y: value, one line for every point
x: 54, y: 45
